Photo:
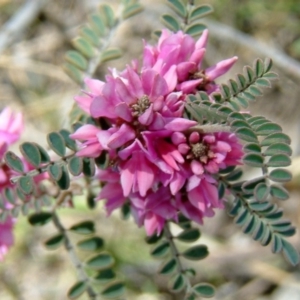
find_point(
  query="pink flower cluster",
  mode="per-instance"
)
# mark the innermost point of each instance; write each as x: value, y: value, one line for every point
x: 159, y: 161
x: 11, y: 126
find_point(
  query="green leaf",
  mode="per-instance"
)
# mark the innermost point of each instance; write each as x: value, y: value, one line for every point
x: 263, y: 82
x: 260, y: 206
x: 199, y: 12
x: 77, y: 290
x: 249, y: 185
x: 14, y: 162
x: 249, y: 73
x: 57, y: 143
x: 161, y: 250
x: 195, y: 29
x: 277, y: 137
x: 280, y: 175
x: 279, y: 160
x: 85, y: 227
x: 84, y: 46
x: 75, y: 165
x: 246, y: 134
x: 242, y: 217
x: 26, y: 184
x: 100, y: 261
x: 45, y: 158
x: 131, y: 10
x: 268, y: 64
x: 196, y: 253
x: 267, y: 128
x: 239, y: 123
x: 168, y: 267
x: 271, y: 75
x: 242, y: 80
x: 276, y: 243
x: 254, y: 160
x: 278, y: 148
x: 279, y: 192
x: 75, y: 58
x: 54, y: 242
x: 178, y: 283
x: 154, y: 238
x: 31, y: 153
x: 89, y: 167
x: 64, y: 181
x: 97, y: 24
x: 40, y: 219
x: 170, y: 22
x: 110, y: 54
x: 92, y: 244
x: 290, y: 253
x: 261, y: 191
x: 55, y: 171
x: 178, y: 7
x: 221, y: 190
x: 114, y: 290
x: 254, y: 90
x: 204, y: 290
x: 189, y: 236
x: 235, y: 208
x: 104, y: 276
x: 259, y: 67
x: 9, y: 196
x: 259, y: 231
x: 73, y: 72
x: 69, y: 142
x: 91, y: 35
x: 252, y: 147
x: 250, y: 225
x: 102, y: 161
x: 107, y: 14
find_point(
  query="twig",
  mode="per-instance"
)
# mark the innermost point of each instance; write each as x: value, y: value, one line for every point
x: 18, y: 22
x: 226, y: 33
x: 73, y: 256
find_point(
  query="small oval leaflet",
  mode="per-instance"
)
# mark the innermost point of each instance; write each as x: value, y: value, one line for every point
x: 85, y: 227
x: 92, y: 244
x: 178, y: 283
x: 161, y: 249
x: 54, y: 242
x: 279, y: 160
x: 131, y: 10
x: 45, y: 158
x: 189, y: 235
x: 40, y: 219
x: 105, y: 275
x: 75, y: 165
x: 14, y: 162
x: 195, y: 253
x: 178, y: 7
x: 71, y: 144
x: 170, y: 22
x: 114, y: 290
x: 268, y: 128
x: 279, y: 192
x: 73, y: 72
x: 195, y: 29
x: 107, y: 14
x: 64, y: 181
x: 280, y: 175
x: 276, y: 243
x: 255, y: 160
x: 55, y: 171
x: 31, y: 153
x: 200, y: 12
x: 100, y: 261
x: 278, y: 148
x: 110, y: 54
x: 168, y: 267
x: 261, y: 191
x: 89, y: 168
x: 57, y: 143
x: 83, y: 46
x: 277, y: 137
x: 153, y: 238
x: 26, y: 184
x: 290, y: 253
x: 252, y: 147
x: 204, y: 290
x: 77, y: 290
x: 246, y: 134
x: 75, y: 58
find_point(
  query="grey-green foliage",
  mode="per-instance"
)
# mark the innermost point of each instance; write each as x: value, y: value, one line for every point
x: 189, y: 16
x: 165, y: 248
x: 93, y: 43
x: 265, y: 147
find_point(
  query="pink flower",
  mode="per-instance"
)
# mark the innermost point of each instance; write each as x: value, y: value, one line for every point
x: 160, y: 161
x: 6, y: 236
x: 179, y: 51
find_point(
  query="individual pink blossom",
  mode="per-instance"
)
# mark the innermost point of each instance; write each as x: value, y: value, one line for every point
x: 179, y: 50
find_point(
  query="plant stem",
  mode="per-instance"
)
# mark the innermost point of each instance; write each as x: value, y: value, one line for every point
x: 82, y: 275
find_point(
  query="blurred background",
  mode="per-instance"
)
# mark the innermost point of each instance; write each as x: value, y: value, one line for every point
x: 34, y: 36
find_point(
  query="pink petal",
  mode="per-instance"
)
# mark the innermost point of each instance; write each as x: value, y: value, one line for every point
x: 122, y: 136
x: 179, y: 124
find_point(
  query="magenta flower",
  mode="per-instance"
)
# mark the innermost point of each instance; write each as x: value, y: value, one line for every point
x: 179, y: 50
x: 160, y: 162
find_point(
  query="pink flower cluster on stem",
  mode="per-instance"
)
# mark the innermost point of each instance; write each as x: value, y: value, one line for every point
x: 159, y: 161
x: 11, y: 126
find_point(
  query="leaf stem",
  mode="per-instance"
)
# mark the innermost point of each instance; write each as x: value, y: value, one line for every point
x: 82, y: 275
